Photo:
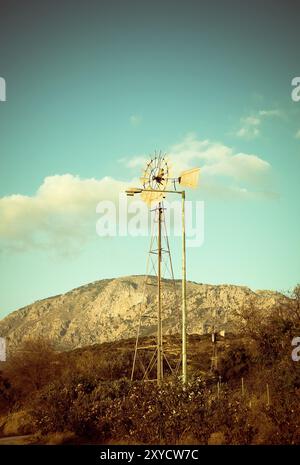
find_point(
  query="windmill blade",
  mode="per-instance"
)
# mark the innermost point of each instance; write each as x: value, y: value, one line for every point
x: 189, y: 178
x: 150, y: 197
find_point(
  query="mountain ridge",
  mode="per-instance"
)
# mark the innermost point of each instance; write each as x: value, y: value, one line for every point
x: 108, y: 309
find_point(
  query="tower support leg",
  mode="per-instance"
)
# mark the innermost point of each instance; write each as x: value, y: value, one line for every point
x: 184, y: 316
x: 159, y: 316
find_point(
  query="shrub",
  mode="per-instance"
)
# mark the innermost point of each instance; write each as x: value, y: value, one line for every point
x: 234, y: 363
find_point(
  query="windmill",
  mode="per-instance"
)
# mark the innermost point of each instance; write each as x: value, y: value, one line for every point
x: 155, y: 181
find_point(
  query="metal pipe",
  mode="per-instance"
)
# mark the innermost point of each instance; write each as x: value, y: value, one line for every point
x: 184, y: 315
x: 159, y: 323
x: 157, y: 190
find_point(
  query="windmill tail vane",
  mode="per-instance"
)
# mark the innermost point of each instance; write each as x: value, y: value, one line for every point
x: 189, y: 178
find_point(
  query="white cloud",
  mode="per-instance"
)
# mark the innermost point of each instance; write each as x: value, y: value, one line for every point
x: 135, y: 162
x: 240, y: 167
x: 252, y: 120
x: 250, y: 126
x: 217, y: 159
x: 135, y: 120
x: 60, y: 216
x: 224, y: 171
x: 297, y: 135
x: 267, y: 113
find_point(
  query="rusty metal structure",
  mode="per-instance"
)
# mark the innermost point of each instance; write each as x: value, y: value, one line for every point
x: 155, y: 181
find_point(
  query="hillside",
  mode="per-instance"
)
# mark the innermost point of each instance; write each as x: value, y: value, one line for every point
x: 107, y: 310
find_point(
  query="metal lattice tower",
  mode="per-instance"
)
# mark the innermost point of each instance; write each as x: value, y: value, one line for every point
x: 159, y: 267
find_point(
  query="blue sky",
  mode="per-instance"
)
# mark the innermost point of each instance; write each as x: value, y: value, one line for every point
x: 94, y: 86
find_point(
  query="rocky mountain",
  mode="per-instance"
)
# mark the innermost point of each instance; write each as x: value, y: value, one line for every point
x: 109, y: 309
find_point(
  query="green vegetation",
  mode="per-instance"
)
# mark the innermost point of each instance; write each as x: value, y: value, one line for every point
x: 253, y: 397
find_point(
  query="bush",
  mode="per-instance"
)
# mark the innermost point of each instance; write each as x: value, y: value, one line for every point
x: 284, y: 413
x: 234, y: 363
x: 31, y: 367
x: 143, y: 413
x: 6, y: 393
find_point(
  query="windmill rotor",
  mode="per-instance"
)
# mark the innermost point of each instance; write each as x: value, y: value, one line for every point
x: 157, y: 177
x: 156, y: 173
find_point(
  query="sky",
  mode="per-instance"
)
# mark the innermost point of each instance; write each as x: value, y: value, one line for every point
x: 94, y: 88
